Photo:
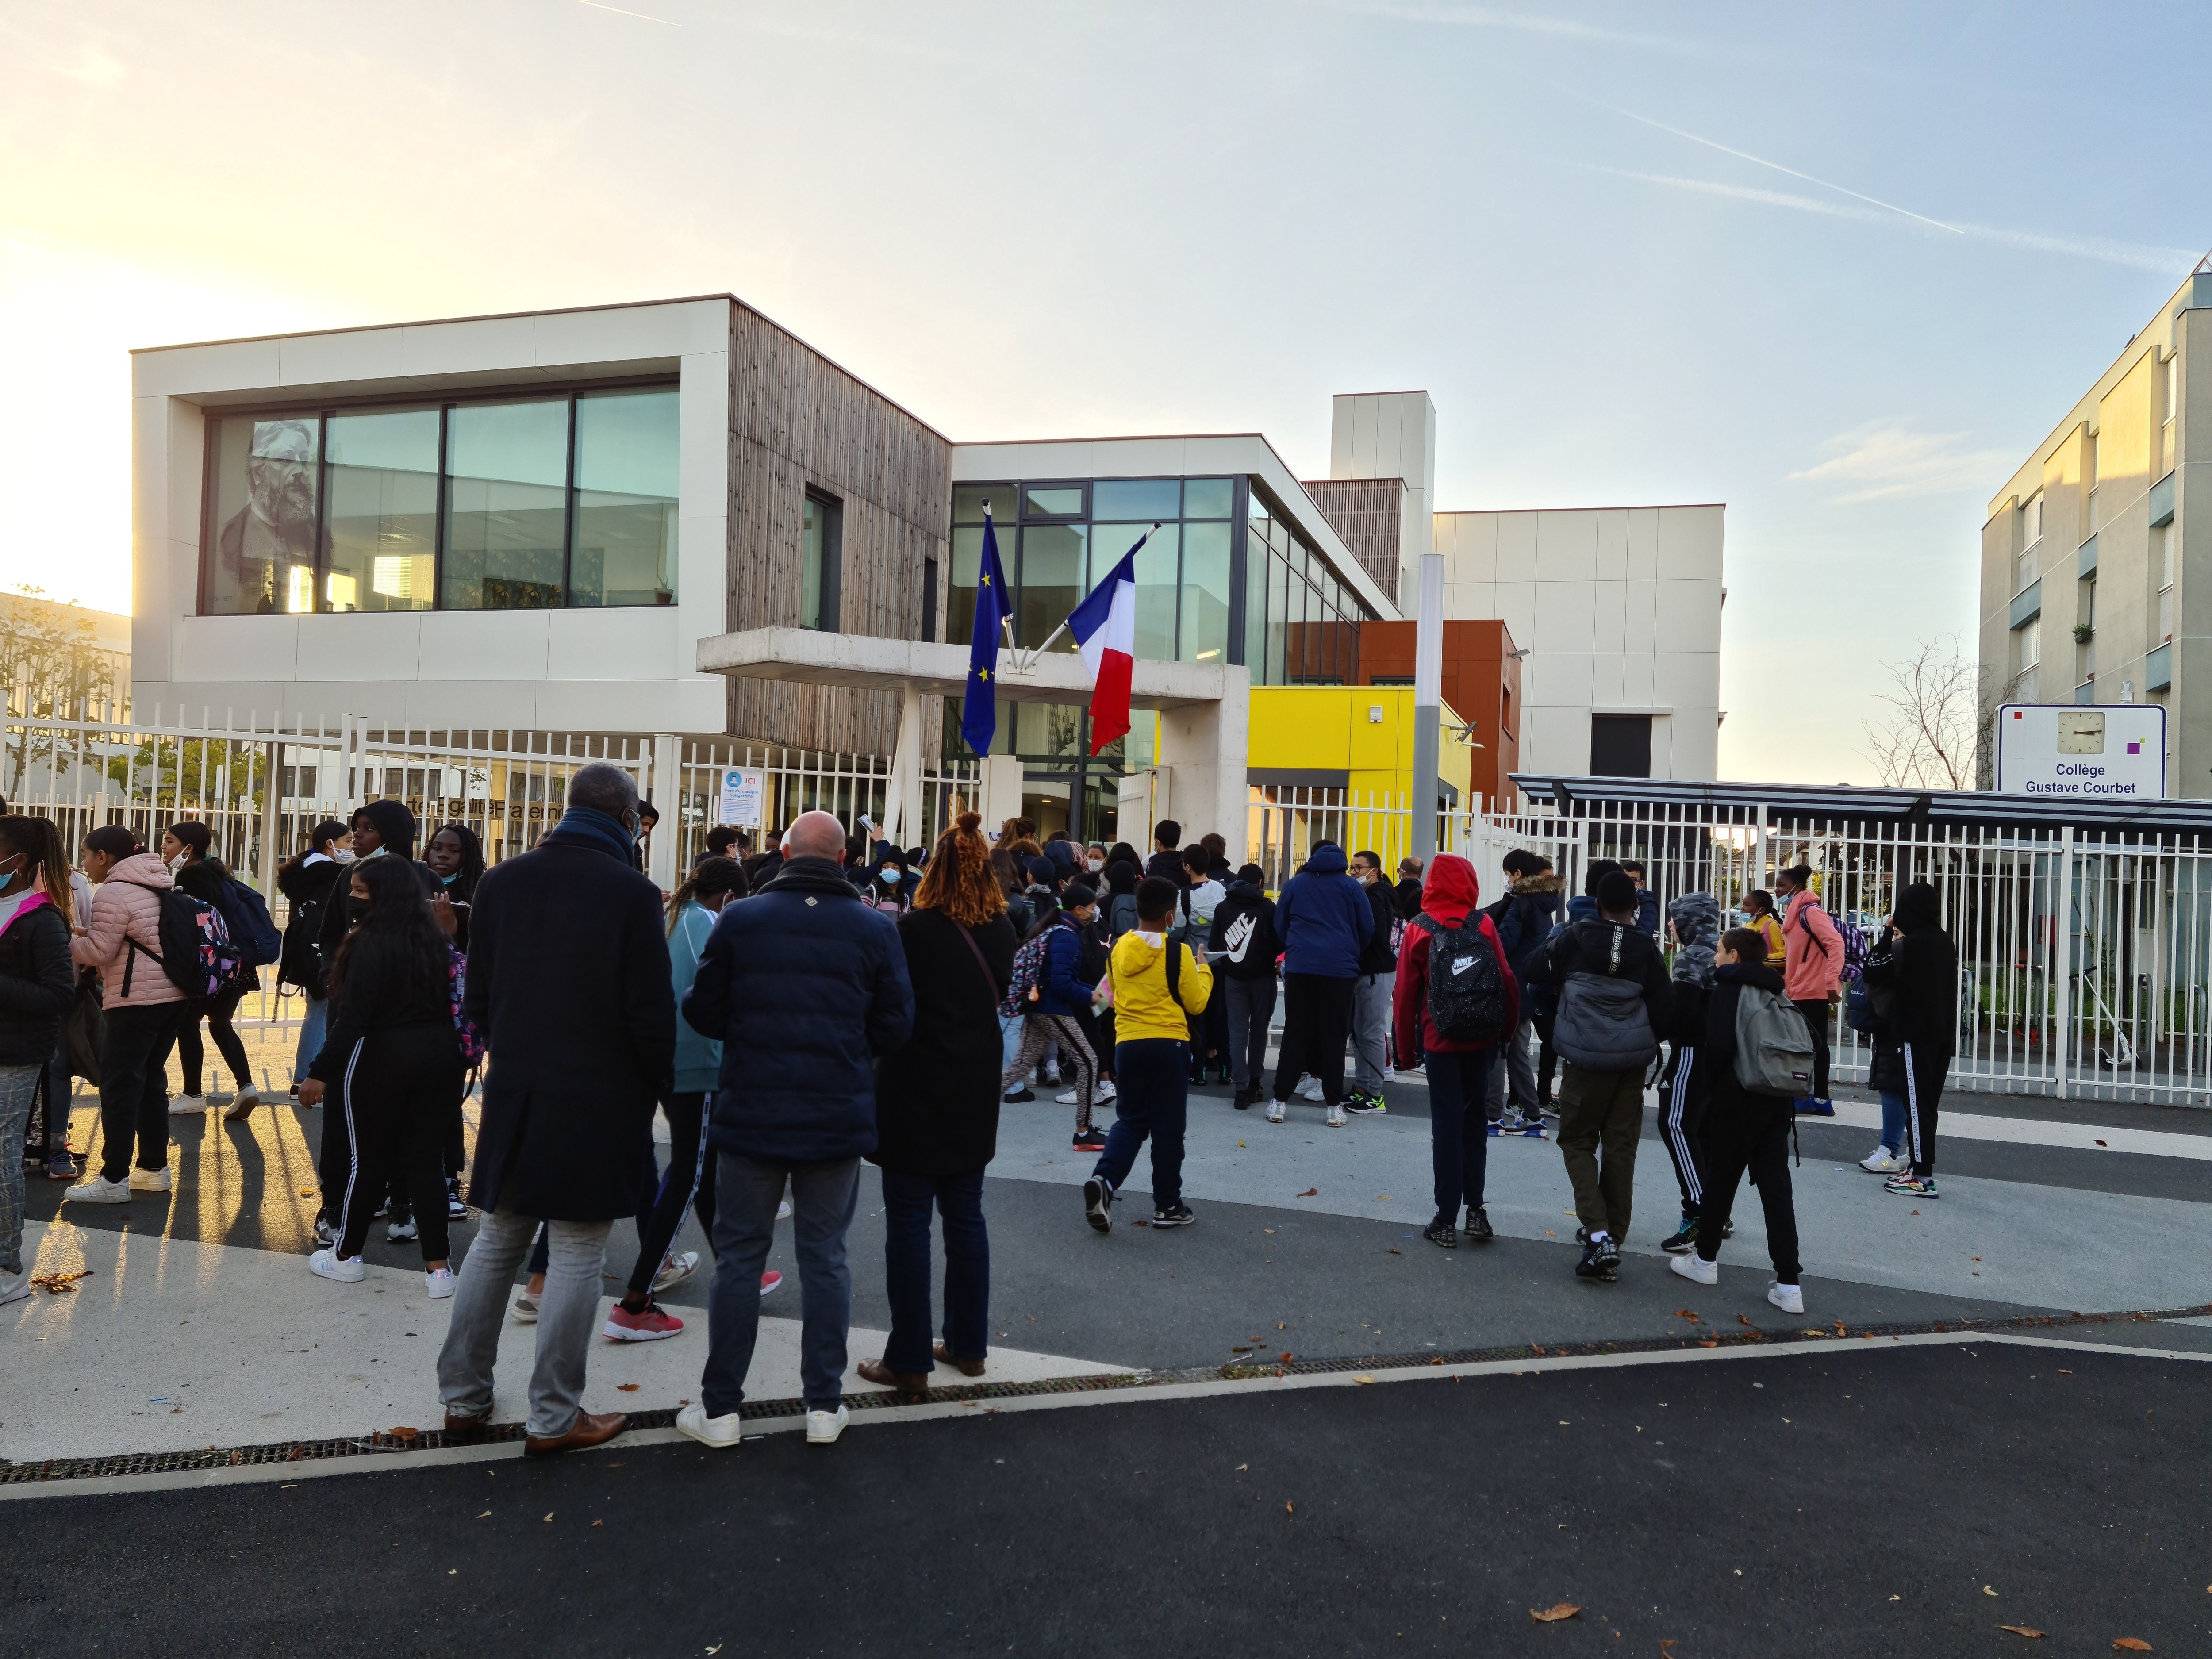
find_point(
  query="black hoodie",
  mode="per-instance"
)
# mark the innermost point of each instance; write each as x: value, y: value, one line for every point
x: 1243, y: 944
x: 1716, y: 1053
x: 1919, y: 963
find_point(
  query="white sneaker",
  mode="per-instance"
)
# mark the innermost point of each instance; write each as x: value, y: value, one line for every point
x: 346, y: 1269
x: 1310, y: 1090
x: 783, y: 1211
x: 823, y: 1428
x: 1103, y: 1092
x: 1051, y: 1076
x: 100, y: 1190
x: 1275, y: 1111
x: 526, y: 1310
x: 1882, y: 1161
x: 1790, y: 1299
x: 14, y: 1287
x: 188, y: 1103
x: 151, y: 1180
x: 1335, y: 1118
x: 674, y: 1269
x: 438, y: 1284
x: 399, y: 1232
x: 1066, y: 1097
x: 724, y: 1432
x: 1695, y: 1268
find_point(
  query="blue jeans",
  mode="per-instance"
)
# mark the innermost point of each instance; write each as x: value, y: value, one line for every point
x: 822, y: 1198
x: 313, y: 1029
x: 1459, y: 1130
x: 908, y: 1199
x: 19, y: 1087
x: 1152, y: 1075
x: 1892, y: 1120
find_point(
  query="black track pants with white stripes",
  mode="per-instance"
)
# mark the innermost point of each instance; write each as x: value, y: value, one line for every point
x: 1682, y: 1124
x: 1924, y: 1089
x: 384, y: 1120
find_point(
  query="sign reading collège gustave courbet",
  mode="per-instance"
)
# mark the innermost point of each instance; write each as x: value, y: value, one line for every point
x: 2112, y: 752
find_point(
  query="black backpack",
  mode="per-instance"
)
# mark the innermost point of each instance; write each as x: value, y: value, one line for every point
x: 1466, y: 989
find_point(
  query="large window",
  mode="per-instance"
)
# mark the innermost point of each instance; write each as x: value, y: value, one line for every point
x: 494, y: 504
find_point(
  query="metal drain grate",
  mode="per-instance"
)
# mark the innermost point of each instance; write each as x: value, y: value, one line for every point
x: 384, y: 1445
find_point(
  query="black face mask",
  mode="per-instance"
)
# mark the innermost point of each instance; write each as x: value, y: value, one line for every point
x: 357, y: 909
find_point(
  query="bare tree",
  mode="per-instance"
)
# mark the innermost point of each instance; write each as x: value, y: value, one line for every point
x: 1934, y: 722
x: 51, y: 666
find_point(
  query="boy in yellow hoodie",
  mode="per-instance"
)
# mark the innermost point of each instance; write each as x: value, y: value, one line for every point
x: 1154, y: 994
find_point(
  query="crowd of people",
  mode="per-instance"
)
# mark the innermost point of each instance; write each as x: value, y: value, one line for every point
x: 829, y: 999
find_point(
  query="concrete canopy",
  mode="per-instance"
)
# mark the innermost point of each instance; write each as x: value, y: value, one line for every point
x: 810, y: 657
x: 1204, y: 708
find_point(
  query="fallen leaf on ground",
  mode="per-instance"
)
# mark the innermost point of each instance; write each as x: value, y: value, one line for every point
x: 1689, y: 1314
x: 1986, y: 1590
x: 1552, y: 1615
x: 1742, y: 1319
x: 625, y: 1388
x: 61, y: 1284
x: 1363, y: 1377
x: 1290, y: 1508
x: 1266, y: 1230
x: 548, y: 1515
x: 1286, y: 1359
x: 404, y: 1433
x: 2129, y: 1643
x: 1709, y: 1343
x: 1240, y: 1468
x: 1281, y: 1325
x: 307, y: 1191
x: 1310, y: 1192
x: 2022, y: 1629
x: 1438, y: 1360
x: 1394, y: 1250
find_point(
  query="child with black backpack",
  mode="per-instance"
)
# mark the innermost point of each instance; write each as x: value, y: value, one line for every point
x: 1455, y: 1001
x: 1756, y: 1059
x: 1695, y: 921
x: 1157, y: 983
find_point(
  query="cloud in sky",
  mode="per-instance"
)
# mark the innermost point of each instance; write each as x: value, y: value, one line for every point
x: 2136, y: 255
x: 1882, y: 461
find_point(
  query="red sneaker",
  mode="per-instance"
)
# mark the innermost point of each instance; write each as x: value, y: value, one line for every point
x: 769, y: 1280
x: 648, y: 1324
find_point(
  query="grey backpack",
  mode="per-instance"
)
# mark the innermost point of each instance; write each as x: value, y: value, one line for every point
x: 1774, y: 1045
x: 1602, y: 1023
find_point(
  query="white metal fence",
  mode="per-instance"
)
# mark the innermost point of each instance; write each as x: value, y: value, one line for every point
x: 506, y: 786
x: 2085, y: 957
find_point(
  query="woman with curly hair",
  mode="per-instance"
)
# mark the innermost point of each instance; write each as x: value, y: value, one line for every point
x: 937, y: 1111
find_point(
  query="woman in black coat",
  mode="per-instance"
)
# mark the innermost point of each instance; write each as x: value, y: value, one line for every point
x: 937, y: 1111
x: 37, y: 982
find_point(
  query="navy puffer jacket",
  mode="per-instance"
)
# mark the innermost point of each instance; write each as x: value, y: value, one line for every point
x: 806, y: 985
x: 1061, y: 990
x: 1323, y: 918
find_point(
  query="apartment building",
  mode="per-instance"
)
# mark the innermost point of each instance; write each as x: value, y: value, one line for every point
x: 2085, y: 585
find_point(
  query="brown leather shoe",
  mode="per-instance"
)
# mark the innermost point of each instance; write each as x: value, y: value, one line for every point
x: 965, y: 1367
x: 462, y: 1430
x: 590, y: 1429
x: 874, y: 1370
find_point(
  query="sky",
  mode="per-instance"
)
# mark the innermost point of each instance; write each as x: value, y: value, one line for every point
x: 1839, y: 267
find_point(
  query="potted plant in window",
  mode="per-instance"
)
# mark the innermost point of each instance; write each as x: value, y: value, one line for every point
x: 2084, y: 632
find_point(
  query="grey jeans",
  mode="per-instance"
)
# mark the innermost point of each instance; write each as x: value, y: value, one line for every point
x: 1521, y: 1062
x: 822, y: 1199
x: 567, y: 1318
x: 1370, y: 1029
x: 18, y: 1088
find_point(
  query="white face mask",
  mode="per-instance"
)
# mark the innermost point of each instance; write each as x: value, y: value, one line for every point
x: 343, y: 854
x: 1094, y: 865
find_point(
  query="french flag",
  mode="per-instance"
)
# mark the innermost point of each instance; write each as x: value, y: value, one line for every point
x: 1105, y: 627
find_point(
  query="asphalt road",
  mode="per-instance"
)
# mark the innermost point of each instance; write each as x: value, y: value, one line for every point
x: 1883, y: 1501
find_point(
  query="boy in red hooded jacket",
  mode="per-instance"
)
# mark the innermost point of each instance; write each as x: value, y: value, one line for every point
x: 1458, y: 1072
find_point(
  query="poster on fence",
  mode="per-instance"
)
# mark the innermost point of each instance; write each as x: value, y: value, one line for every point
x: 740, y: 802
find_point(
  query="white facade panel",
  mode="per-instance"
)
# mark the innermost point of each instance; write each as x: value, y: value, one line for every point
x: 372, y: 645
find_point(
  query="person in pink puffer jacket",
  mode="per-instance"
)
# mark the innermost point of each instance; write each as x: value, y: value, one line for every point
x: 140, y: 1011
x: 1812, y: 972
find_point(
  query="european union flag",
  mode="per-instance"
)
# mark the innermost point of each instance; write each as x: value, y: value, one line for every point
x: 979, y: 708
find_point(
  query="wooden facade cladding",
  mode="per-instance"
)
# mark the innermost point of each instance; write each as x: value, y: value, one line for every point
x: 798, y: 422
x: 1368, y: 514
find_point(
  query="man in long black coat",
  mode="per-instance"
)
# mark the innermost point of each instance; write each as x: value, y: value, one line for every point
x: 568, y: 981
